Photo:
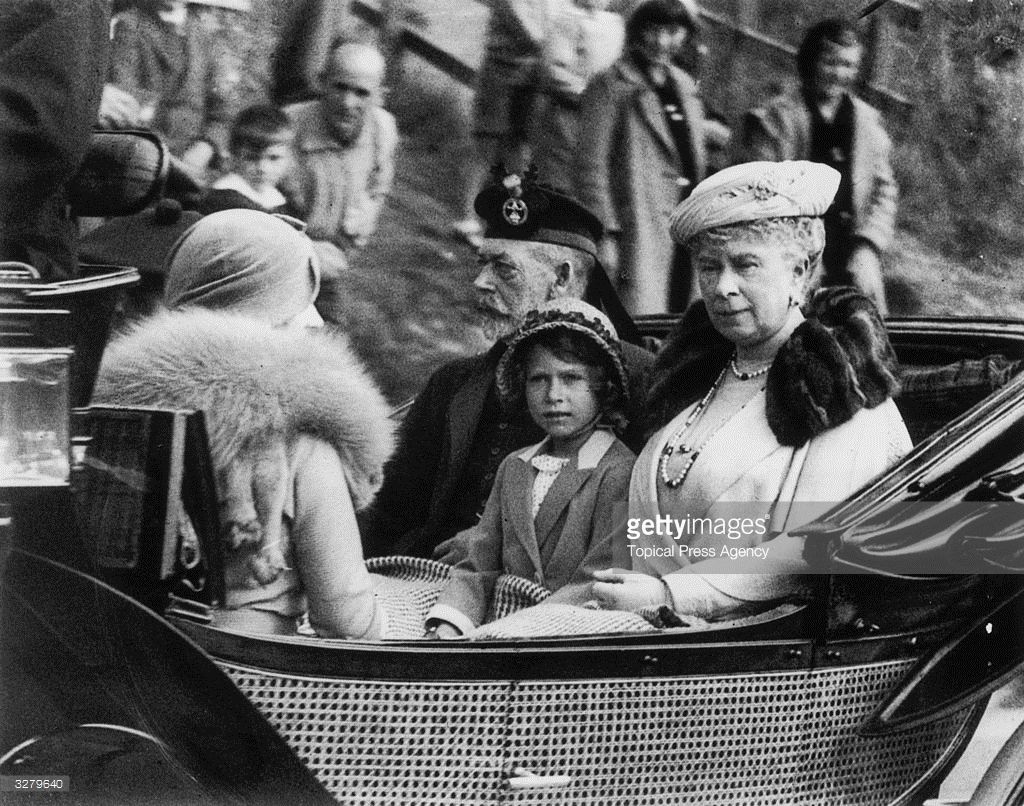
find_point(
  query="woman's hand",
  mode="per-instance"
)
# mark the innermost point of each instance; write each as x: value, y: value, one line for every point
x: 625, y: 590
x: 693, y: 595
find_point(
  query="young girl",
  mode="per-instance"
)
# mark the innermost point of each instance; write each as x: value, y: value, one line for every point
x: 554, y: 505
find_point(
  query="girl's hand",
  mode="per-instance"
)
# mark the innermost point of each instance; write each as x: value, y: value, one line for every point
x: 626, y: 590
x: 442, y: 629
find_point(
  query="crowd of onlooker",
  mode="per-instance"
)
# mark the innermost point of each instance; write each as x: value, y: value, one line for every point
x: 607, y: 105
x: 600, y: 102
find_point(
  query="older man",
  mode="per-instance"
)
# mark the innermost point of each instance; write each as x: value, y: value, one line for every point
x: 539, y: 245
x: 827, y: 124
x: 345, y: 148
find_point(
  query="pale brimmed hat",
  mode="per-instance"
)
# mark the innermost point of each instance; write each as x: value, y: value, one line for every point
x: 563, y: 314
x: 754, y: 191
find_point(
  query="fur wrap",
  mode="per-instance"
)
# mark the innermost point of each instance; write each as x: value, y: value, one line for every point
x: 836, y: 362
x: 259, y: 388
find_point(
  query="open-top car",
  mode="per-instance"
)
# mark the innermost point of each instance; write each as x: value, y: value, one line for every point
x: 116, y: 685
x: 867, y: 692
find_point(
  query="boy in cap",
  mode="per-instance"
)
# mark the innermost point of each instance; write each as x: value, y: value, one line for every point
x: 539, y: 245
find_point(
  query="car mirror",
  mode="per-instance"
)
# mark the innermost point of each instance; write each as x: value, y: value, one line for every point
x: 123, y: 172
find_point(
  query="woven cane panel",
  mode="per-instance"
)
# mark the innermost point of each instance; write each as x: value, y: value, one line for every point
x: 391, y: 744
x: 783, y: 738
x: 772, y: 738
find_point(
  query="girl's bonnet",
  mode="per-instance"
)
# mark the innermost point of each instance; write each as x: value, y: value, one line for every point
x: 562, y: 314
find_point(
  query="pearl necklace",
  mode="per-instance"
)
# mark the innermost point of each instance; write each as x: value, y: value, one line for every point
x: 746, y: 376
x: 674, y: 444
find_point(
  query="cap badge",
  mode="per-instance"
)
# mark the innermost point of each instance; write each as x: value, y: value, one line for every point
x: 515, y: 211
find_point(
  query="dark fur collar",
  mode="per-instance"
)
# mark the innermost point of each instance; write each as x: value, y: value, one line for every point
x: 834, y: 364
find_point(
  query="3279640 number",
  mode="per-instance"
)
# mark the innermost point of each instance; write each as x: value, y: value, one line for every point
x: 34, y: 783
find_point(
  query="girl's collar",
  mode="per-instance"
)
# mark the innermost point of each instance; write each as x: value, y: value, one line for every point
x: 589, y: 454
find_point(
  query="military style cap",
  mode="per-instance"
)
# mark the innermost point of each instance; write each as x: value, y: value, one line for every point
x: 752, y: 191
x: 518, y: 207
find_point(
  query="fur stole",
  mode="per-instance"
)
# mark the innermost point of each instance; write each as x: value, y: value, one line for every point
x: 838, y: 361
x: 259, y: 389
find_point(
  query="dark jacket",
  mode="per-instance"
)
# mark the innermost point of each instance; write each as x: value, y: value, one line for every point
x: 423, y: 500
x: 52, y: 60
x: 188, y: 76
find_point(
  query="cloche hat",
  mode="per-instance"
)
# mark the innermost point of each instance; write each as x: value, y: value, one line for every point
x: 244, y: 261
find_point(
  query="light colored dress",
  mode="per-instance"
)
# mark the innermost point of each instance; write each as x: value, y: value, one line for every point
x: 325, y: 573
x: 743, y: 472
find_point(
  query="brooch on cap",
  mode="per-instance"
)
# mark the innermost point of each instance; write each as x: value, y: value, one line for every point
x: 515, y: 211
x: 764, y: 188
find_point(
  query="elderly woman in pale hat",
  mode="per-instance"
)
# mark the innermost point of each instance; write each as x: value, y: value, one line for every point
x: 769, y: 403
x: 298, y: 431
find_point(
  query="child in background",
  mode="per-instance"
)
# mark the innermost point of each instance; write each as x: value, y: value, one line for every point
x: 260, y: 156
x: 553, y: 509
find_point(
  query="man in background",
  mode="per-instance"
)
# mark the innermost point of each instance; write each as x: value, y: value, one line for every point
x: 345, y: 153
